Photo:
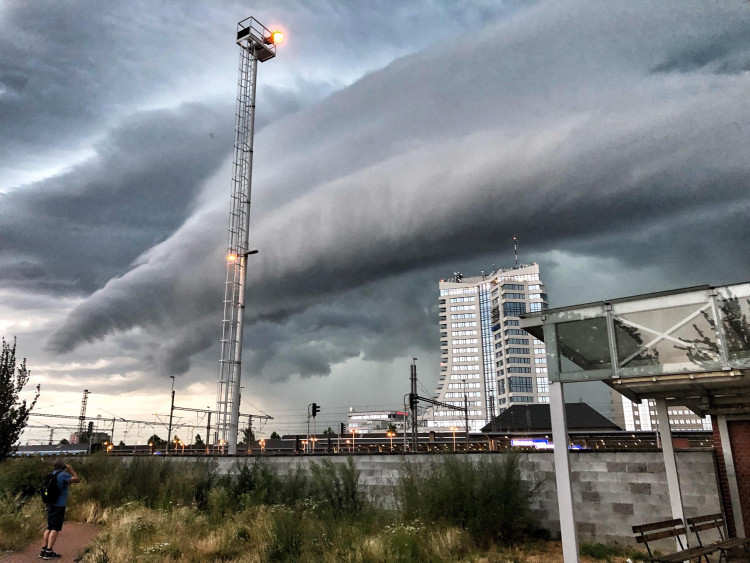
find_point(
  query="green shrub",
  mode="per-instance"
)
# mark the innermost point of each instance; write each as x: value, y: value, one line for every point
x: 336, y: 487
x: 287, y: 535
x: 487, y: 497
x: 256, y: 485
x: 404, y: 542
x: 293, y: 486
x: 156, y: 483
x: 23, y: 476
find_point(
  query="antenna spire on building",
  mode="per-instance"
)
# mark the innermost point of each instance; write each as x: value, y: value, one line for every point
x: 515, y: 249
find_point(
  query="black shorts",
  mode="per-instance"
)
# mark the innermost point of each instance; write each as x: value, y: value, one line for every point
x: 55, y: 517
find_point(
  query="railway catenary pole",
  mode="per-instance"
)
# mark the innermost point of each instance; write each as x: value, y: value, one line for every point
x: 171, y: 414
x: 257, y: 44
x: 413, y: 404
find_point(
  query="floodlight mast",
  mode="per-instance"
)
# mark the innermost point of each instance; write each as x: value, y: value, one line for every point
x: 257, y: 43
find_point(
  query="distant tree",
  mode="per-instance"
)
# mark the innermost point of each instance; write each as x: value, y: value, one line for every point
x: 328, y: 431
x: 64, y: 442
x: 122, y: 443
x: 13, y: 413
x: 157, y: 442
x: 275, y: 435
x: 198, y: 443
x: 392, y: 428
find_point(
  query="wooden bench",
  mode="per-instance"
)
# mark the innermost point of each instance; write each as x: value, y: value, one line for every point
x: 700, y: 524
x: 674, y: 528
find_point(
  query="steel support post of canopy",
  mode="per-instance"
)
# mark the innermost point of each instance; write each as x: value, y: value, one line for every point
x: 670, y: 463
x: 562, y: 471
x: 561, y: 453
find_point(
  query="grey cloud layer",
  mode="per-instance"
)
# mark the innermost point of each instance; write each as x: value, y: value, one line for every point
x: 610, y: 130
x: 76, y: 231
x: 72, y: 71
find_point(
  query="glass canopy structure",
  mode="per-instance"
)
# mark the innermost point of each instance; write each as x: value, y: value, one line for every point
x: 686, y: 347
x: 691, y: 346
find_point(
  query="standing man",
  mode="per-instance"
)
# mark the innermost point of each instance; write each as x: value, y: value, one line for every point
x: 56, y: 511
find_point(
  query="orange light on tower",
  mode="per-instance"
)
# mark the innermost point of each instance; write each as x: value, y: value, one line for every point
x: 275, y: 38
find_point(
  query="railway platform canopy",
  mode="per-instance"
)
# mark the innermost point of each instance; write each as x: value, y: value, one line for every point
x: 687, y: 347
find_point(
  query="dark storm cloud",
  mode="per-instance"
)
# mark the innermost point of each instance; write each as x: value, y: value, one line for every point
x: 71, y: 70
x: 76, y: 231
x: 608, y: 129
x: 358, y: 323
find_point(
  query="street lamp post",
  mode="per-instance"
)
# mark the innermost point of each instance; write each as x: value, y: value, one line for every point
x: 390, y: 434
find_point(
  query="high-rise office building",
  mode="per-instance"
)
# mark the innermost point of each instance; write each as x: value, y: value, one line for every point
x: 486, y: 359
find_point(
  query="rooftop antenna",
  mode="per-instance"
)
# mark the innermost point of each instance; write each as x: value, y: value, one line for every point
x: 515, y: 249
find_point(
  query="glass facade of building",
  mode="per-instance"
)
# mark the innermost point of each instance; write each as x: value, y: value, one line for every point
x: 485, y: 356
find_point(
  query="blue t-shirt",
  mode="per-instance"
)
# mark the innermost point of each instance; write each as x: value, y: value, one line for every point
x: 63, y: 482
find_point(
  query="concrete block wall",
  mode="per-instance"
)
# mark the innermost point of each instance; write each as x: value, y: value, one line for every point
x: 612, y: 491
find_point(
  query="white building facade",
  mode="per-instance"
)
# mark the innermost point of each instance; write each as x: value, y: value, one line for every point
x: 486, y: 359
x: 634, y: 417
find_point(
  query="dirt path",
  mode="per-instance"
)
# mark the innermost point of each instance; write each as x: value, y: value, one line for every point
x: 75, y: 536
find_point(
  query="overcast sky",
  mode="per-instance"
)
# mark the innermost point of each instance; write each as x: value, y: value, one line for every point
x: 396, y: 143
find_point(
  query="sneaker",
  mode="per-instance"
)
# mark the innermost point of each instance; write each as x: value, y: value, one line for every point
x: 43, y: 553
x: 52, y: 555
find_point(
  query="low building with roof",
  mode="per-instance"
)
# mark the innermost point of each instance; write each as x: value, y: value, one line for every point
x: 537, y: 418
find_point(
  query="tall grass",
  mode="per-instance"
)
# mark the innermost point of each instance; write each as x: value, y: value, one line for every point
x: 155, y: 509
x: 20, y: 522
x: 486, y: 497
x: 336, y: 487
x: 156, y: 483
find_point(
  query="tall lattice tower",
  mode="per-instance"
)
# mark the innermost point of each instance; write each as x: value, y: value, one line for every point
x: 257, y: 44
x: 82, y: 416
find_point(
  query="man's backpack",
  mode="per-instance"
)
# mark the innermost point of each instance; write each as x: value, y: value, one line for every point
x: 50, y: 490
